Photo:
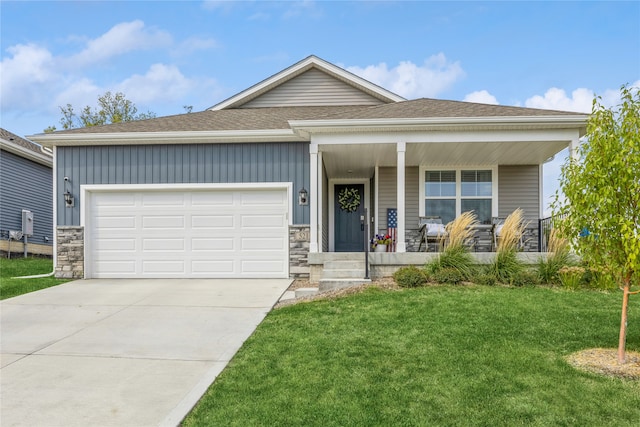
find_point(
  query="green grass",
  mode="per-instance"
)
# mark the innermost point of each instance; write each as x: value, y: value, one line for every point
x: 442, y: 355
x: 16, y: 267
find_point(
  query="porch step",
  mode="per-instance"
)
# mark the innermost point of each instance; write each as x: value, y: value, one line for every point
x: 333, y: 284
x: 343, y: 274
x: 345, y: 264
x: 306, y: 292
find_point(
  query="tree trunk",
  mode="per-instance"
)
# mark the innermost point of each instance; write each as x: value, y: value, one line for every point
x: 623, y: 322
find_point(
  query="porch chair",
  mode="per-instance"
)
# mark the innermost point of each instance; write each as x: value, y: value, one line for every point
x: 431, y: 230
x: 496, y: 229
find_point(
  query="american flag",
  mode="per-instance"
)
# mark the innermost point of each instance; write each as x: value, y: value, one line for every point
x: 392, y: 224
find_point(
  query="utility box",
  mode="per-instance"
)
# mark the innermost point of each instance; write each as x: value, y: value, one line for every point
x: 27, y: 222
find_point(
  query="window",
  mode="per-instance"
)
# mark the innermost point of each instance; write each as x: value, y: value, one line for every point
x: 449, y: 193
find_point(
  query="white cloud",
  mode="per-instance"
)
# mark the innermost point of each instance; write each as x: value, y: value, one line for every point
x: 121, y: 38
x: 409, y: 80
x: 481, y: 97
x: 194, y: 44
x: 557, y: 99
x: 160, y: 83
x: 26, y: 75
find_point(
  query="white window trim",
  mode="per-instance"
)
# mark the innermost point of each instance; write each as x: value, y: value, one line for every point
x: 458, y: 169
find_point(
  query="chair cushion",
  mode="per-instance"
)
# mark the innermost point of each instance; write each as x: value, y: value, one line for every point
x: 498, y: 229
x: 435, y: 230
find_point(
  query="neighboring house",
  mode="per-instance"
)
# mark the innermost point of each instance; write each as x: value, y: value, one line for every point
x: 217, y: 193
x: 25, y: 184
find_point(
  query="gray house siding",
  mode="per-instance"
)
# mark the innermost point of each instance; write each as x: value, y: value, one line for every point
x: 519, y: 187
x: 312, y: 88
x: 387, y: 198
x: 26, y: 185
x: 194, y: 163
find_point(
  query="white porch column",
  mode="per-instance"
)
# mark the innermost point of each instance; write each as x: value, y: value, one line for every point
x: 400, y: 244
x: 313, y: 197
x: 573, y: 148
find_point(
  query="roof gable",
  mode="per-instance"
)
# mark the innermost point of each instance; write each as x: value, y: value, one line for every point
x: 294, y: 82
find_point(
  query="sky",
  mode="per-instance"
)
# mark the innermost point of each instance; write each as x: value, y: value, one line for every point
x: 169, y: 55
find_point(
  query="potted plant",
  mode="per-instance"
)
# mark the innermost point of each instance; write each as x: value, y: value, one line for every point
x: 380, y: 242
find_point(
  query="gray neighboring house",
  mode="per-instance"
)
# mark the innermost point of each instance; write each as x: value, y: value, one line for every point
x: 25, y: 183
x: 274, y: 181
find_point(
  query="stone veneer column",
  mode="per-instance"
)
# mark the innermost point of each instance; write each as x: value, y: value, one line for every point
x: 299, y: 236
x: 70, y: 256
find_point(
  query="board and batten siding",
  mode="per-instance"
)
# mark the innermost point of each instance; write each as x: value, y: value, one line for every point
x: 181, y: 164
x: 387, y: 183
x: 519, y: 187
x: 312, y: 88
x: 25, y: 184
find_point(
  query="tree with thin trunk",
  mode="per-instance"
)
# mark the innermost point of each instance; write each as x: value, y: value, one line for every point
x: 599, y: 197
x: 111, y: 109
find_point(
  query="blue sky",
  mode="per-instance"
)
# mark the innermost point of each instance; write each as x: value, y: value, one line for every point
x: 165, y: 55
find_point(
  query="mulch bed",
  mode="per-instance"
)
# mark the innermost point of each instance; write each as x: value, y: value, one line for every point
x: 604, y: 361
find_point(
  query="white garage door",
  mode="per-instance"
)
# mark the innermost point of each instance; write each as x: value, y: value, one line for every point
x: 209, y: 233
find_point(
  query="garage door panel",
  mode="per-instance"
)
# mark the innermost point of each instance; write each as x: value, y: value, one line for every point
x: 163, y: 199
x: 163, y: 244
x: 115, y: 222
x: 115, y: 245
x: 212, y: 221
x: 163, y: 267
x: 208, y: 233
x: 217, y: 199
x: 163, y: 222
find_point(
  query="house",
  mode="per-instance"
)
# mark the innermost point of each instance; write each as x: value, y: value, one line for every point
x: 275, y: 180
x: 25, y: 184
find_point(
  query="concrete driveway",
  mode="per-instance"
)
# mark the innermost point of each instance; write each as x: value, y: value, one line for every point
x: 122, y: 352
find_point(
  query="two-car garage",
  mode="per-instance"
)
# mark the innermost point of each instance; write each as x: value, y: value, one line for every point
x: 186, y: 231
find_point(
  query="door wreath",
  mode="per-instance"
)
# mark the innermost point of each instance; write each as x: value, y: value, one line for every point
x: 349, y: 199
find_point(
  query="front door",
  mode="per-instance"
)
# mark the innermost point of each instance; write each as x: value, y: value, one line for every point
x: 349, y: 207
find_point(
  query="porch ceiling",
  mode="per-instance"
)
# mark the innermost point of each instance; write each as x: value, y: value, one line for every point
x: 360, y: 160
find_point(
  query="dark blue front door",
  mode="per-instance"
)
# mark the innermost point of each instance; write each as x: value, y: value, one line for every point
x: 349, y: 236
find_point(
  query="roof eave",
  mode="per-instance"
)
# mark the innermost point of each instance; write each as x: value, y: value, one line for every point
x: 41, y: 158
x: 304, y: 127
x: 188, y: 137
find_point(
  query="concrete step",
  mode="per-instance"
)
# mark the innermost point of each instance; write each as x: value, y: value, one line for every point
x: 343, y: 274
x: 345, y: 264
x: 306, y: 292
x: 332, y: 284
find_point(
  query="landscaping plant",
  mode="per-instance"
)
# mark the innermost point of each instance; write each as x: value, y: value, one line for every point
x: 455, y: 259
x: 506, y: 265
x: 599, y: 199
x: 559, y: 256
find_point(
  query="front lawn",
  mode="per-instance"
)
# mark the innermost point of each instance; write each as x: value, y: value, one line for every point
x: 439, y: 355
x: 16, y: 267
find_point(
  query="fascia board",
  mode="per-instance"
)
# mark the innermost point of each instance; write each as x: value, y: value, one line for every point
x: 306, y: 126
x: 298, y: 68
x: 194, y: 137
x: 43, y: 159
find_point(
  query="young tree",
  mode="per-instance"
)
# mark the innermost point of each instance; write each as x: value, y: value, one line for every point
x: 111, y: 109
x: 601, y: 207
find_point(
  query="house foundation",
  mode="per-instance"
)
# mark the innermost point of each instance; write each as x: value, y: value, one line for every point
x: 70, y: 253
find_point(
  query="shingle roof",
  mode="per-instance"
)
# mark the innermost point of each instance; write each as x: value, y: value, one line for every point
x: 436, y: 108
x: 231, y: 119
x: 12, y: 138
x: 278, y: 117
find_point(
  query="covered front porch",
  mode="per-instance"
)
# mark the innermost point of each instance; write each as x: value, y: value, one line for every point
x: 438, y: 172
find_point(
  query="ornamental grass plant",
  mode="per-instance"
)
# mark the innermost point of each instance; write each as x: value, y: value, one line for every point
x: 559, y: 256
x: 506, y: 266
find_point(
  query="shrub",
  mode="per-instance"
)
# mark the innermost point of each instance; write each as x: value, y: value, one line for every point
x: 410, y: 277
x: 506, y: 266
x: 571, y: 277
x: 450, y: 275
x: 558, y: 257
x: 456, y: 257
x: 512, y: 231
x: 461, y: 230
x: 486, y: 279
x: 525, y: 277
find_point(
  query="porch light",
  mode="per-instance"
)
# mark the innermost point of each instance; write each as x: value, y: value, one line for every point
x: 68, y: 197
x: 303, y: 197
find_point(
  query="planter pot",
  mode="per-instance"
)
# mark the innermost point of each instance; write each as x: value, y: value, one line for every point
x: 381, y: 248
